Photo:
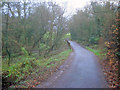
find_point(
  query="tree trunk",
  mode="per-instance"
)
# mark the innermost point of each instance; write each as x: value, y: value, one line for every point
x: 8, y: 52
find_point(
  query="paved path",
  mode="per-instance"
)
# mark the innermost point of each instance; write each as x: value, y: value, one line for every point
x: 84, y: 71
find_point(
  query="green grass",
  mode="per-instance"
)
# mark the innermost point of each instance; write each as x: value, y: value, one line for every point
x: 98, y: 52
x: 48, y: 62
x: 24, y: 66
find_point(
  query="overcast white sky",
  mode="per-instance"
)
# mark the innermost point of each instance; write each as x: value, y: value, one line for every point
x: 71, y: 5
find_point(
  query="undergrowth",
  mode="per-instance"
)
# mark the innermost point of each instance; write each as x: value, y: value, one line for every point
x: 26, y: 65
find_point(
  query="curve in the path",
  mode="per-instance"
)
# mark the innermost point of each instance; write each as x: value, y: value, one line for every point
x: 84, y: 71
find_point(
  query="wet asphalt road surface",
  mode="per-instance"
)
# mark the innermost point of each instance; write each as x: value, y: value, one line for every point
x: 84, y: 71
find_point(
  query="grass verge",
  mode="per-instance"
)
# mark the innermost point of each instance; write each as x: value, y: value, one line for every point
x: 100, y: 53
x: 29, y: 71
